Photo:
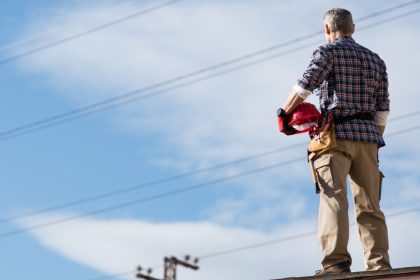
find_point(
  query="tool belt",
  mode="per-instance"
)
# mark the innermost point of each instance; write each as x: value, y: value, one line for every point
x: 358, y: 116
x: 325, y: 136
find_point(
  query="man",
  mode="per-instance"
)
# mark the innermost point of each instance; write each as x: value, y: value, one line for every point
x: 352, y: 84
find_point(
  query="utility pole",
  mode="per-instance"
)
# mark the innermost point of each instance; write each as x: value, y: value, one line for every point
x: 170, y: 265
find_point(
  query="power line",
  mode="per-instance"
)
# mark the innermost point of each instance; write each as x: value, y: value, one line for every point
x: 133, y: 96
x: 408, y: 115
x: 32, y: 37
x: 168, y: 179
x: 116, y: 275
x: 389, y: 19
x: 402, y: 5
x: 120, y: 101
x: 106, y: 25
x: 150, y: 198
x: 259, y: 244
x: 125, y: 273
x: 402, y: 131
x: 291, y: 237
x: 169, y: 193
x: 148, y: 184
x: 87, y: 32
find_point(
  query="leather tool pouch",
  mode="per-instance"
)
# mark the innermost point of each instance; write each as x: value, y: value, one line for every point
x: 323, y: 141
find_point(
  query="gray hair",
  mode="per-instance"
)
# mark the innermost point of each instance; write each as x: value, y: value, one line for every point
x: 339, y: 20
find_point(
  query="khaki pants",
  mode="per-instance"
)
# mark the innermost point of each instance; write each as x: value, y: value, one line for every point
x: 359, y: 160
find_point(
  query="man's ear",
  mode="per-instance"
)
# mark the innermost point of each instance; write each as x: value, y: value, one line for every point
x: 327, y: 29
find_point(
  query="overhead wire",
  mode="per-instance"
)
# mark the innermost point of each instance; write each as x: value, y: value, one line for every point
x: 32, y: 37
x: 128, y: 17
x: 116, y: 275
x: 391, y: 9
x: 133, y: 96
x: 170, y: 179
x: 404, y: 116
x: 150, y: 198
x: 402, y: 131
x: 257, y: 245
x: 389, y: 19
x: 292, y: 237
x: 129, y: 98
x: 148, y: 184
x: 87, y: 32
x: 167, y: 194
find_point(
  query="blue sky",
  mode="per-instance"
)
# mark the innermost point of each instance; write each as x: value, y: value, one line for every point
x: 201, y: 125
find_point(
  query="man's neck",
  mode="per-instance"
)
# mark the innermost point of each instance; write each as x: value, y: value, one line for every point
x: 334, y: 35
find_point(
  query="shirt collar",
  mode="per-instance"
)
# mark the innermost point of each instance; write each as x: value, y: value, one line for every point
x: 344, y: 38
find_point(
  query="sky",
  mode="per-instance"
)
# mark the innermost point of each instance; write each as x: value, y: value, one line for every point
x: 190, y: 161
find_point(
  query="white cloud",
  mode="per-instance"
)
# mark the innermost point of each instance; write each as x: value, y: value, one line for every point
x: 118, y: 246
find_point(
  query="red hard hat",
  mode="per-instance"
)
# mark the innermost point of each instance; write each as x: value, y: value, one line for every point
x: 305, y: 117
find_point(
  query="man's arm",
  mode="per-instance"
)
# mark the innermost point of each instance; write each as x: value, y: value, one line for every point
x: 292, y: 102
x: 382, y: 103
x: 318, y: 69
x: 381, y: 119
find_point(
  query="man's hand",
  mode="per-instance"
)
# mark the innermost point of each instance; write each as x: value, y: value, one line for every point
x: 283, y: 113
x: 283, y: 120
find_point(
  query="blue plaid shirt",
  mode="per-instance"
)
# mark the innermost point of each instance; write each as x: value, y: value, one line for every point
x: 349, y: 79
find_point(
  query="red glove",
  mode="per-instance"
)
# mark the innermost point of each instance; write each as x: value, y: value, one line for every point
x: 283, y: 121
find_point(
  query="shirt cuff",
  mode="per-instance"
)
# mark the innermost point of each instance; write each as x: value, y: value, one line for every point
x: 303, y: 93
x: 381, y: 117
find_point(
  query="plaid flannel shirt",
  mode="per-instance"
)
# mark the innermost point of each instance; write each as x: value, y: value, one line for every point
x: 349, y: 79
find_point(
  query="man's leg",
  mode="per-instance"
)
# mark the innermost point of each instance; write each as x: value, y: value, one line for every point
x: 333, y: 225
x: 373, y: 231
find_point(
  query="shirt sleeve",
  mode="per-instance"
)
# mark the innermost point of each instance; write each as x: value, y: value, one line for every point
x: 381, y: 117
x: 318, y: 70
x: 382, y: 94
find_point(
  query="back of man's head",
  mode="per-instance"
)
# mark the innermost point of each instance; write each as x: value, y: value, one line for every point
x: 339, y: 20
